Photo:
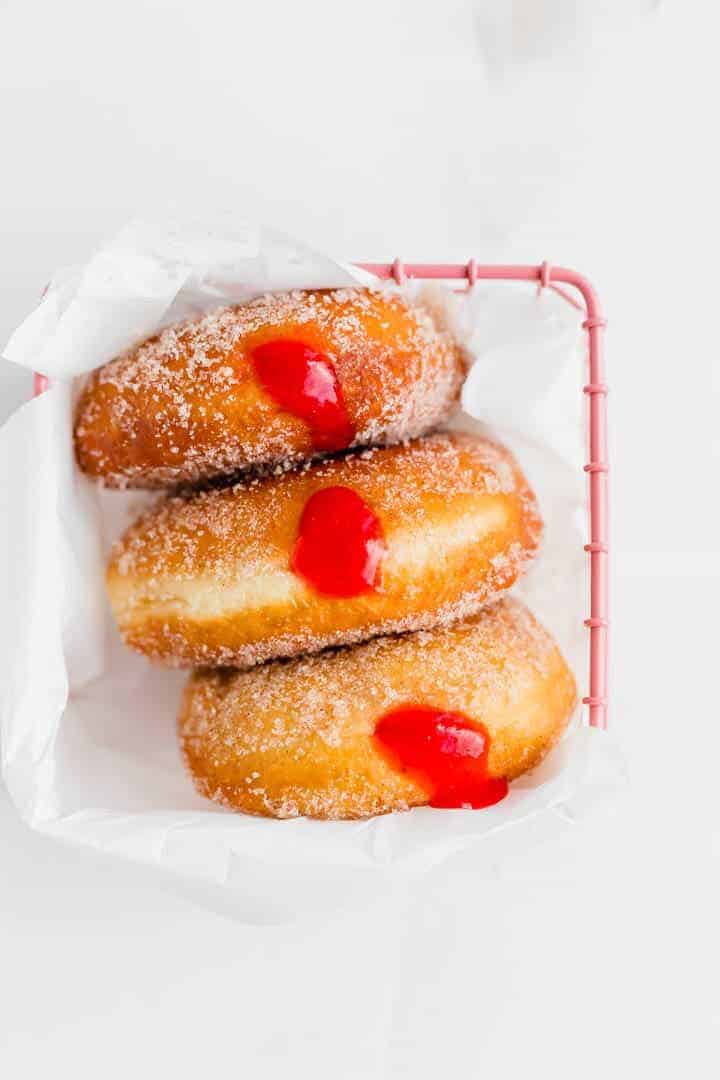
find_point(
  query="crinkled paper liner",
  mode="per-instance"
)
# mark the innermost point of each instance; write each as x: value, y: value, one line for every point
x: 87, y: 729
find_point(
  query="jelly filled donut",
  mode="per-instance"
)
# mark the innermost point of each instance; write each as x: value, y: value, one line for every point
x: 287, y: 376
x: 388, y: 539
x: 444, y: 717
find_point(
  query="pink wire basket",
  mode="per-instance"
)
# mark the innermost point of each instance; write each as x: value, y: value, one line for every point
x: 585, y: 299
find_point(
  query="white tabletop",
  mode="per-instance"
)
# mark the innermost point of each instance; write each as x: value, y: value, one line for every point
x: 379, y: 129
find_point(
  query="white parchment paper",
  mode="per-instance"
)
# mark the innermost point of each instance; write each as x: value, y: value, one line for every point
x: 87, y: 729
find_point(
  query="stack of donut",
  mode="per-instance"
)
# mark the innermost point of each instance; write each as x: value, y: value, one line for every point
x: 333, y: 566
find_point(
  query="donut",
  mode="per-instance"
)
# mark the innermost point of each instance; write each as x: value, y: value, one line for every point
x: 285, y: 377
x: 444, y: 717
x: 382, y: 540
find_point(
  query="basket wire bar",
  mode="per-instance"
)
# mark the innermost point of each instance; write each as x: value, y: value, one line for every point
x: 556, y: 278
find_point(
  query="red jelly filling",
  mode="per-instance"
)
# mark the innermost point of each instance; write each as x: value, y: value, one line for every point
x: 444, y: 752
x: 304, y: 382
x: 340, y: 543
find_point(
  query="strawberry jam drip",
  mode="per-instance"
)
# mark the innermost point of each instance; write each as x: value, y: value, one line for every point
x: 340, y: 543
x: 444, y: 752
x: 304, y: 382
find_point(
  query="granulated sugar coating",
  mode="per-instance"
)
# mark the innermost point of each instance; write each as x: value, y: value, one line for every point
x: 207, y: 578
x: 295, y: 737
x: 187, y: 405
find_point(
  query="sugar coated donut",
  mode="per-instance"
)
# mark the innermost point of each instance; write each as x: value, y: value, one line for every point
x: 382, y: 540
x: 287, y: 376
x: 444, y: 717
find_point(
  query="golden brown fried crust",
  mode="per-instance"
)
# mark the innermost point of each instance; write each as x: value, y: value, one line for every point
x: 295, y: 737
x: 205, y: 579
x: 186, y: 405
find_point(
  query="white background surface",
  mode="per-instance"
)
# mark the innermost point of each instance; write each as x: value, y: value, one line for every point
x: 434, y: 130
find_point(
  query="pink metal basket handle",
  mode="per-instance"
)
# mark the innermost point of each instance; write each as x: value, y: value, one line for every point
x: 555, y: 277
x: 552, y: 277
